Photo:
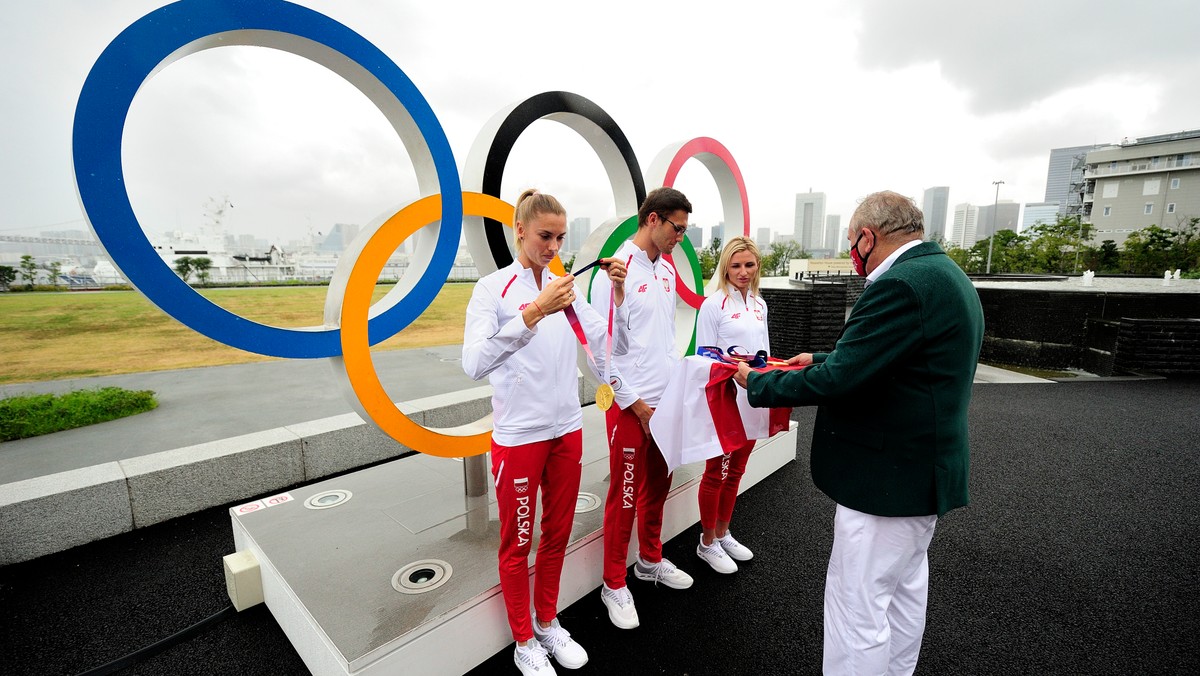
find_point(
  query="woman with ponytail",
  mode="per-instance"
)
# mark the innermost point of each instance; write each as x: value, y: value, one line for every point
x: 519, y: 334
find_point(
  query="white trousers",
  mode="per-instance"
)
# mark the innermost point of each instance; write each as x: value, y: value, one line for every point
x: 876, y: 589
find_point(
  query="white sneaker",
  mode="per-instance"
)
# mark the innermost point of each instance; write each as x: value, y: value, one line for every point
x: 736, y: 550
x: 532, y: 660
x: 716, y: 557
x: 559, y: 644
x: 620, y: 606
x: 664, y: 571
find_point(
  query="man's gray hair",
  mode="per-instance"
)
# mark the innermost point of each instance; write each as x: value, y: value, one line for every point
x: 888, y: 214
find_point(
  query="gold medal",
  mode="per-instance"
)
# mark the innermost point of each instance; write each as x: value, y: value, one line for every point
x: 604, y: 396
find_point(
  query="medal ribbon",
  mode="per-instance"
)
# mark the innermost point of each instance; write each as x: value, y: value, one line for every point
x: 573, y: 320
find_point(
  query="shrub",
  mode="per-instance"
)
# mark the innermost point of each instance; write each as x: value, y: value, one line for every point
x: 32, y: 415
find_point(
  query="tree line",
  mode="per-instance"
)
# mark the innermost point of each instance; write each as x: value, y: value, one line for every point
x: 27, y: 271
x: 1067, y: 246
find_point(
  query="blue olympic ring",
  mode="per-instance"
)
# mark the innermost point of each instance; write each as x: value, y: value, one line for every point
x: 190, y: 26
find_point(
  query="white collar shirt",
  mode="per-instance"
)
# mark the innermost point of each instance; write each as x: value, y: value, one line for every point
x: 887, y: 262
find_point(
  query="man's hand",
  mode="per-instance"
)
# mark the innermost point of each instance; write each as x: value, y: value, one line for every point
x: 802, y: 359
x: 742, y: 374
x: 643, y: 411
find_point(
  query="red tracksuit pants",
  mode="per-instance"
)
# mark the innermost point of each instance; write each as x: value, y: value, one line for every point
x: 552, y: 467
x: 719, y: 485
x: 638, y: 483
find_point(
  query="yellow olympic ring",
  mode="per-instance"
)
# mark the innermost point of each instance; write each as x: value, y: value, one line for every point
x: 356, y: 351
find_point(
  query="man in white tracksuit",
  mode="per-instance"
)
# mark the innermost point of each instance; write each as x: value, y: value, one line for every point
x: 639, y: 480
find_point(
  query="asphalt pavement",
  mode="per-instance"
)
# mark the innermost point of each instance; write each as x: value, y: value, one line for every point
x: 1076, y: 556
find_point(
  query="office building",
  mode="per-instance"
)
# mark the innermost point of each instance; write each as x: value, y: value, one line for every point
x: 1154, y: 180
x: 763, y: 240
x: 694, y: 235
x: 1064, y: 177
x: 1007, y: 217
x: 810, y: 220
x: 934, y: 206
x: 339, y: 238
x: 834, y: 241
x: 962, y: 232
x: 1039, y: 212
x: 578, y: 233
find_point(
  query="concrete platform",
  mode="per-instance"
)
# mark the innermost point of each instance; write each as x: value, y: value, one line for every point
x: 327, y: 573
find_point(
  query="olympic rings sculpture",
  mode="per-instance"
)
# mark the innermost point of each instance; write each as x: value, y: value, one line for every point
x: 436, y: 219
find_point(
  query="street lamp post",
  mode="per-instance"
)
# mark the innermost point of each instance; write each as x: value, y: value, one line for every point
x: 992, y: 236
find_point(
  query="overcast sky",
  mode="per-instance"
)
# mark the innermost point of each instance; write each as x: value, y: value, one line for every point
x: 843, y: 98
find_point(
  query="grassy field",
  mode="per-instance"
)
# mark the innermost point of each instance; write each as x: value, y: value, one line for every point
x: 51, y: 336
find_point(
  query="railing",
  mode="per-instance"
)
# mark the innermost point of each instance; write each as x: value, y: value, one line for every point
x: 1140, y: 167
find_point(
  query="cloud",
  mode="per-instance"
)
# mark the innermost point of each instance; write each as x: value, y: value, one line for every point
x: 1009, y: 55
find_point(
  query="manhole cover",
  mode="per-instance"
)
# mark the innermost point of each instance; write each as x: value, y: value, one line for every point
x: 586, y: 502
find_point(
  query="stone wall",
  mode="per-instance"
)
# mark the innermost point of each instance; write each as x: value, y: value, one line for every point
x: 1070, y: 329
x: 1168, y: 346
x: 808, y: 317
x: 1105, y: 333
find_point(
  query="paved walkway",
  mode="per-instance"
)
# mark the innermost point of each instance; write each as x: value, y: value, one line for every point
x: 207, y: 404
x: 1077, y: 556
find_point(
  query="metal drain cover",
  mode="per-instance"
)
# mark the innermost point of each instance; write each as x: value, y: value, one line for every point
x: 419, y: 577
x: 327, y: 499
x: 586, y: 502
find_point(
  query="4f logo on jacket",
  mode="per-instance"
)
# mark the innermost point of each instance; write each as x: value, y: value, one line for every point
x: 642, y: 288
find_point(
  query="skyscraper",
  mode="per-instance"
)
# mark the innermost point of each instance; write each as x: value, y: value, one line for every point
x: 578, y: 233
x: 810, y: 220
x: 962, y: 234
x: 717, y: 232
x: 1007, y: 218
x: 763, y: 240
x: 1039, y: 212
x: 1064, y: 177
x: 934, y: 206
x: 833, y: 232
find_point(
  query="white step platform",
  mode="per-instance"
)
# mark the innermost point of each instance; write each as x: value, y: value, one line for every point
x: 327, y: 572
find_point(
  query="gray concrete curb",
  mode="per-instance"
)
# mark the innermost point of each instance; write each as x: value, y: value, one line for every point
x: 54, y: 513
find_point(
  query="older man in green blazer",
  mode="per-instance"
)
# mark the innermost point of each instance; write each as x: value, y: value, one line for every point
x: 890, y: 440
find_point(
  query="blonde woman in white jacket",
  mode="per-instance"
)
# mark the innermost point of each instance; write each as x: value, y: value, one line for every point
x: 734, y: 315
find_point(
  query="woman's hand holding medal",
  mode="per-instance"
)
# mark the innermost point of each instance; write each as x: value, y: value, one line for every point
x: 556, y: 295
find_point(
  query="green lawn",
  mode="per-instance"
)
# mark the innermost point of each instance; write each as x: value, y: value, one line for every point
x: 52, y: 336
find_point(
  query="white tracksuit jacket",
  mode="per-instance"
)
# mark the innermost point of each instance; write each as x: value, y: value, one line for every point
x: 533, y: 372
x: 648, y: 325
x: 728, y: 320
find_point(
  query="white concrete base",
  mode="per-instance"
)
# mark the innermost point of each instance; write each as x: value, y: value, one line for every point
x: 366, y: 627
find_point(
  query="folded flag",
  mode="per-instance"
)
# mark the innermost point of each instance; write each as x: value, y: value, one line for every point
x: 703, y: 413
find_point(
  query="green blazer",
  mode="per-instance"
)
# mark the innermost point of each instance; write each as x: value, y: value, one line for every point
x: 890, y: 437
